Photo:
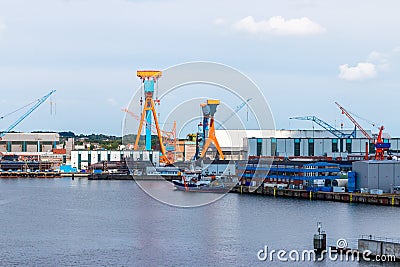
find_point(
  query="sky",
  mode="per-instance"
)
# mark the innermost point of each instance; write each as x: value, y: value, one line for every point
x: 303, y: 54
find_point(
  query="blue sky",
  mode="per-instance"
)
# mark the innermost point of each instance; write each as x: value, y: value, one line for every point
x: 303, y: 54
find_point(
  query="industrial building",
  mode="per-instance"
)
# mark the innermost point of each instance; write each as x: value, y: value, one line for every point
x: 380, y: 175
x: 293, y: 174
x: 29, y: 142
x: 241, y: 144
x: 313, y: 147
x: 83, y: 159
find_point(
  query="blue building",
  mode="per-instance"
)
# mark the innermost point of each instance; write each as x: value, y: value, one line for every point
x: 289, y: 174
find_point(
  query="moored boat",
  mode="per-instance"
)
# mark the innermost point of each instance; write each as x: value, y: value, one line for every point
x: 203, y: 185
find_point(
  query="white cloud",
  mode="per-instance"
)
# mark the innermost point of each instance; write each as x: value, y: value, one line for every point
x: 220, y: 21
x: 279, y: 26
x: 396, y: 50
x: 375, y: 63
x: 363, y: 71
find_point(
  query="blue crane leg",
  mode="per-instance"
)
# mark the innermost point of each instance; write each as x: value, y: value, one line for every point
x: 148, y: 89
x: 148, y: 129
x: 205, y: 129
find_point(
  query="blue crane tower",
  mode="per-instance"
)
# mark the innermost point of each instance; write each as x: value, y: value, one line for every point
x: 148, y: 78
x: 327, y: 126
x: 26, y: 114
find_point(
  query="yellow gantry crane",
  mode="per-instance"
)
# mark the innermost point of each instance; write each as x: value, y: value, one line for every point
x: 149, y: 78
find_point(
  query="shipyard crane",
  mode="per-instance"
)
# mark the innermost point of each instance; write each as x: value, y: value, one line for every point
x: 203, y: 127
x: 149, y: 79
x: 345, y: 112
x: 327, y: 126
x: 380, y: 146
x: 209, y: 109
x: 26, y: 114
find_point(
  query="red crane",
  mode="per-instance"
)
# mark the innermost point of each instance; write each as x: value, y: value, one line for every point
x: 354, y: 121
x: 380, y: 146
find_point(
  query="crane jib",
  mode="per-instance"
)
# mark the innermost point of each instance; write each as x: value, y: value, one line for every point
x: 26, y: 114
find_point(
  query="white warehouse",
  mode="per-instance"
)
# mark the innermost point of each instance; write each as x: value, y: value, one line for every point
x: 83, y: 159
x: 289, y: 143
x: 29, y: 142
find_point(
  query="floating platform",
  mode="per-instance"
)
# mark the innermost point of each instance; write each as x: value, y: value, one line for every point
x: 75, y: 174
x: 384, y: 200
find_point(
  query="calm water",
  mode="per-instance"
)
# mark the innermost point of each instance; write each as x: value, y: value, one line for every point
x: 64, y: 222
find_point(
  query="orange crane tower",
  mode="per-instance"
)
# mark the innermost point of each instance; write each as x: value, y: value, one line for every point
x: 149, y: 78
x: 209, y: 110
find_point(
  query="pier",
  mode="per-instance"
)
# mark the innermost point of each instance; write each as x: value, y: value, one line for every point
x: 20, y: 174
x: 384, y: 200
x: 382, y: 247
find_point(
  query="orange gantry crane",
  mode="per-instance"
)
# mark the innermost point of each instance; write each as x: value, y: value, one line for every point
x: 209, y: 110
x: 149, y: 78
x: 380, y: 145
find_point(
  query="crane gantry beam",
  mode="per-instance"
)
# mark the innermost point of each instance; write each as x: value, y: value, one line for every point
x: 146, y: 74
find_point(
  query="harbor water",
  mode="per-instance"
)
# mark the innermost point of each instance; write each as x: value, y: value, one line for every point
x: 53, y: 222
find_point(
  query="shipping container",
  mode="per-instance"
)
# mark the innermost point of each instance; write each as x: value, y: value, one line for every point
x: 339, y: 189
x: 376, y: 191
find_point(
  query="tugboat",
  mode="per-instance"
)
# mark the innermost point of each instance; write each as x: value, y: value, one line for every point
x: 199, y: 183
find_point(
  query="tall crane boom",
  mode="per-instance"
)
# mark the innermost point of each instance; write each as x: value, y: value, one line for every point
x: 344, y: 111
x: 380, y: 145
x: 26, y: 114
x: 326, y: 126
x: 237, y: 109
